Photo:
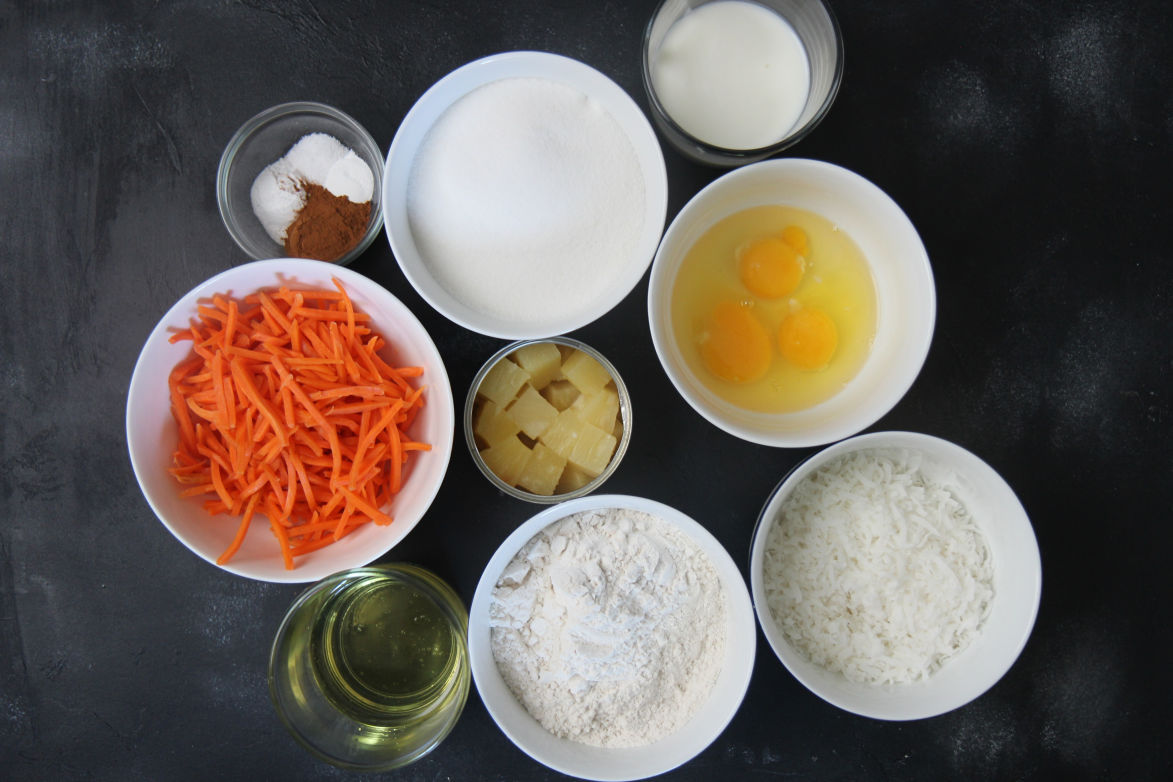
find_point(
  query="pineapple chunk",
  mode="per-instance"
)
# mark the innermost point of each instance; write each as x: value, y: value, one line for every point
x: 599, y: 408
x: 560, y: 393
x: 562, y: 435
x: 532, y: 412
x: 507, y: 459
x: 587, y: 374
x: 502, y: 382
x: 542, y: 471
x: 572, y: 478
x: 592, y: 449
x: 542, y: 360
x: 493, y: 424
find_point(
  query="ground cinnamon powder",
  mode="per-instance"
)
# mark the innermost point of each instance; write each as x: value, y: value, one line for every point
x: 327, y: 227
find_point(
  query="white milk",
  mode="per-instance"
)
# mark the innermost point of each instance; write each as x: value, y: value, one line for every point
x: 733, y: 74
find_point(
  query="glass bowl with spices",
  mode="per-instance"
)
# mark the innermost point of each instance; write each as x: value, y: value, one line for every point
x: 302, y: 180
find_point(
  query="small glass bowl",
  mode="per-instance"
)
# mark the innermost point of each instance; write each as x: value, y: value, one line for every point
x: 266, y: 138
x: 587, y: 488
x: 819, y: 32
x: 361, y: 713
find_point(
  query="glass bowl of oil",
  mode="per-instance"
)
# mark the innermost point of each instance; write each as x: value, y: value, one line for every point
x: 369, y: 670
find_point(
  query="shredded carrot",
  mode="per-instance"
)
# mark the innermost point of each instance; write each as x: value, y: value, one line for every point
x: 288, y: 410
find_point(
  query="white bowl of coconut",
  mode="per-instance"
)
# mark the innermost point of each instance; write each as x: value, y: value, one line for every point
x: 895, y: 575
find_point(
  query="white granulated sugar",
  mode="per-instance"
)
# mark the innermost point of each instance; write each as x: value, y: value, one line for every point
x: 609, y: 626
x: 526, y: 200
x: 278, y: 192
x: 875, y: 568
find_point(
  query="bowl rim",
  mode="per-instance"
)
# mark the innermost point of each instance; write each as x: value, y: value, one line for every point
x: 637, y: 762
x: 516, y: 491
x: 262, y: 118
x: 697, y: 209
x: 440, y: 400
x: 730, y: 156
x: 1025, y: 604
x: 524, y: 64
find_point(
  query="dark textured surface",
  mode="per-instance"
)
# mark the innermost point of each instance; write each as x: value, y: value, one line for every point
x: 1029, y: 142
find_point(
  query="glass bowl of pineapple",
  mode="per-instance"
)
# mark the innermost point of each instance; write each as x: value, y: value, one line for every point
x: 547, y: 420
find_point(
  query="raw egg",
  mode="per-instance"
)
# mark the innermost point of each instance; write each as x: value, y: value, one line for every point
x: 770, y: 267
x: 734, y: 344
x: 796, y: 238
x: 807, y: 338
x: 774, y: 309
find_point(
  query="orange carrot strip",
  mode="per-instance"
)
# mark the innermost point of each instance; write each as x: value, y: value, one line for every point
x: 249, y: 509
x: 313, y: 313
x: 360, y: 504
x: 203, y: 488
x: 334, y: 393
x: 280, y: 533
x: 245, y: 383
x: 347, y: 306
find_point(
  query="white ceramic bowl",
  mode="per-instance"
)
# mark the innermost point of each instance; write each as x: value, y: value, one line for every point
x: 906, y: 301
x: 152, y: 434
x: 598, y: 763
x: 1018, y: 583
x: 414, y: 130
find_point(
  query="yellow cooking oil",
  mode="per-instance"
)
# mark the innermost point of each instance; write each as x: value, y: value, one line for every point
x: 374, y: 667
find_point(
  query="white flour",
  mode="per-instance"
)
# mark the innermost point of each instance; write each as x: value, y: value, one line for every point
x: 609, y: 626
x: 526, y: 200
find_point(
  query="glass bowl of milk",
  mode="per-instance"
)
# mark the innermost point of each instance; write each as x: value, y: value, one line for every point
x: 735, y: 81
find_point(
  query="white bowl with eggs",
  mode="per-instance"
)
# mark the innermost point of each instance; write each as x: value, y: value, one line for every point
x: 904, y: 298
x: 488, y: 201
x: 616, y: 763
x: 955, y: 678
x: 152, y: 433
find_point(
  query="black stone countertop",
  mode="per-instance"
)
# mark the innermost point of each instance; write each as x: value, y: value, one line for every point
x: 1029, y: 143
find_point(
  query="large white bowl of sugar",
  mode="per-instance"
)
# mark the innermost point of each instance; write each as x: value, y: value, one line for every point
x: 524, y: 195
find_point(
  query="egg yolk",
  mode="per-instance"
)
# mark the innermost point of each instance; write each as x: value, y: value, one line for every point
x: 796, y: 238
x: 734, y: 345
x: 807, y: 338
x: 770, y: 267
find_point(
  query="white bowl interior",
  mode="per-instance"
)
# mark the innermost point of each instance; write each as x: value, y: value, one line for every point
x: 905, y: 296
x: 1017, y: 589
x: 599, y: 763
x: 433, y: 103
x: 152, y: 433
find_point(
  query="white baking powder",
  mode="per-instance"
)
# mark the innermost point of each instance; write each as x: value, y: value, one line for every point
x: 278, y: 192
x: 609, y: 626
x: 526, y: 200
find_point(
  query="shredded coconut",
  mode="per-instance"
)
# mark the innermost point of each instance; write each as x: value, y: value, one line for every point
x: 609, y: 626
x: 875, y: 569
x: 526, y: 200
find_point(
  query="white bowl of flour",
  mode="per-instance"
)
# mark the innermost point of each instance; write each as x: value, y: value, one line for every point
x: 611, y: 638
x: 524, y: 195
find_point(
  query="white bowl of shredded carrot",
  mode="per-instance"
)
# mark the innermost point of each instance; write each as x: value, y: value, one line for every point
x: 288, y: 419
